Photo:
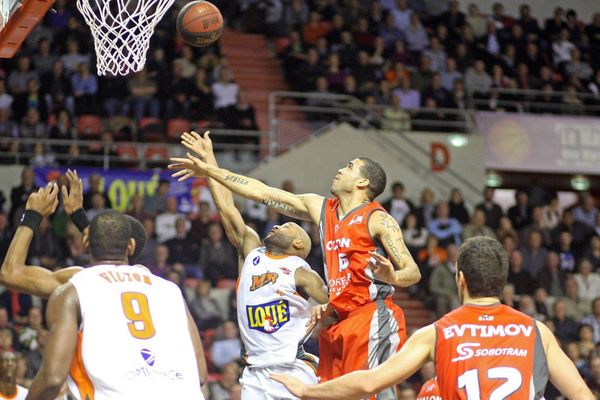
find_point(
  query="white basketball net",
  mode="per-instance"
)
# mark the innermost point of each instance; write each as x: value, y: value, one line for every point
x: 122, y: 31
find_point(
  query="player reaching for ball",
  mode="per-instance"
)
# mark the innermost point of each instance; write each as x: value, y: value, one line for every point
x: 40, y: 281
x: 370, y: 327
x: 116, y: 330
x: 482, y: 350
x: 274, y: 281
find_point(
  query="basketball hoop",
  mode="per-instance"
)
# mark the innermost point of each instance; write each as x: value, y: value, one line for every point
x: 122, y: 31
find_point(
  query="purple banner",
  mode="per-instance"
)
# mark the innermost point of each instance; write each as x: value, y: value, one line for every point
x: 122, y: 184
x: 540, y: 143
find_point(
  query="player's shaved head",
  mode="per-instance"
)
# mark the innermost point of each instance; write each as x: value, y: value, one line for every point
x: 304, y: 237
x: 139, y: 234
x: 109, y: 236
x: 289, y: 239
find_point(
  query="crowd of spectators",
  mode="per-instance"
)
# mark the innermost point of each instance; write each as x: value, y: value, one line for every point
x: 554, y: 269
x: 414, y: 57
x: 52, y: 82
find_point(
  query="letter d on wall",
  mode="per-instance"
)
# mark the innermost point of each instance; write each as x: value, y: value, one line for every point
x: 439, y: 156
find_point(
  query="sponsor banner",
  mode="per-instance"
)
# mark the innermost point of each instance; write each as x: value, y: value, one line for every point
x: 121, y: 184
x: 541, y: 143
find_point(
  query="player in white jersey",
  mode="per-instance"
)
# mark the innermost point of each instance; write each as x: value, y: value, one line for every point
x: 8, y: 378
x: 274, y: 283
x: 40, y: 281
x: 117, y: 331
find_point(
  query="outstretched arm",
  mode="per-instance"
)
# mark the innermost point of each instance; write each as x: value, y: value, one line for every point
x: 62, y: 315
x: 360, y: 384
x: 30, y: 279
x: 244, y: 238
x: 402, y: 271
x: 33, y: 279
x: 306, y: 206
x: 561, y: 370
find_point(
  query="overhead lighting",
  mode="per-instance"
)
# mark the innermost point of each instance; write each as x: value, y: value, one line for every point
x: 580, y: 183
x: 458, y: 140
x: 492, y: 179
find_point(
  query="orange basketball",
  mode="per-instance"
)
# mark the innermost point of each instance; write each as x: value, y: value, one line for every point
x: 200, y: 23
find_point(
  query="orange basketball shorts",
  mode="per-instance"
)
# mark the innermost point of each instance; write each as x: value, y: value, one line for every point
x: 367, y: 337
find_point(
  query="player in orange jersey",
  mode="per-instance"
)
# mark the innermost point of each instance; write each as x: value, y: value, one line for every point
x: 353, y: 227
x: 482, y: 350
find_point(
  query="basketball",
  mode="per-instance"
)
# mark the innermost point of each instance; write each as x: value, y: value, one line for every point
x: 200, y: 23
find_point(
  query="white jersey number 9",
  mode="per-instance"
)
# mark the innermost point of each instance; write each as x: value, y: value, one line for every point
x: 137, y: 311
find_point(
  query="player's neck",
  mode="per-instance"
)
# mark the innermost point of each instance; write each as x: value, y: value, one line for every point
x: 109, y: 262
x: 275, y: 251
x: 481, y: 301
x: 8, y: 389
x: 349, y: 201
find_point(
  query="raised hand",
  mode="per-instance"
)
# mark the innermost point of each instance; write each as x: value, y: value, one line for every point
x: 73, y: 197
x: 188, y: 167
x: 44, y: 201
x: 201, y: 145
x: 382, y: 268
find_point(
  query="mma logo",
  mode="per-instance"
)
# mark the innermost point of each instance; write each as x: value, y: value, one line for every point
x: 259, y: 281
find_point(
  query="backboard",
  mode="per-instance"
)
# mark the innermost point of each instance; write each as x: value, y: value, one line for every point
x: 17, y: 19
x: 7, y: 8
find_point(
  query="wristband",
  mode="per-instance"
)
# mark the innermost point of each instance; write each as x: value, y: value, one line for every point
x: 31, y: 219
x: 80, y: 219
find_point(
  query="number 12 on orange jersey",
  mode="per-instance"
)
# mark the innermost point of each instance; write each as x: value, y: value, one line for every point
x: 137, y: 311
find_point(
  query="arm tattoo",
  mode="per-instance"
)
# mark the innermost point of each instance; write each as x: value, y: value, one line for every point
x: 237, y: 179
x: 390, y: 223
x: 395, y: 252
x: 279, y: 202
x: 279, y: 205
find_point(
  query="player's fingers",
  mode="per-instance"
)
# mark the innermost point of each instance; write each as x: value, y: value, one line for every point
x: 180, y: 161
x: 53, y: 192
x: 188, y: 145
x: 372, y: 265
x: 179, y: 173
x: 196, y: 135
x: 315, y: 316
x: 207, y: 136
x: 279, y: 378
x: 188, y: 138
x: 195, y: 160
x: 185, y: 177
x: 377, y: 255
x: 64, y: 192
